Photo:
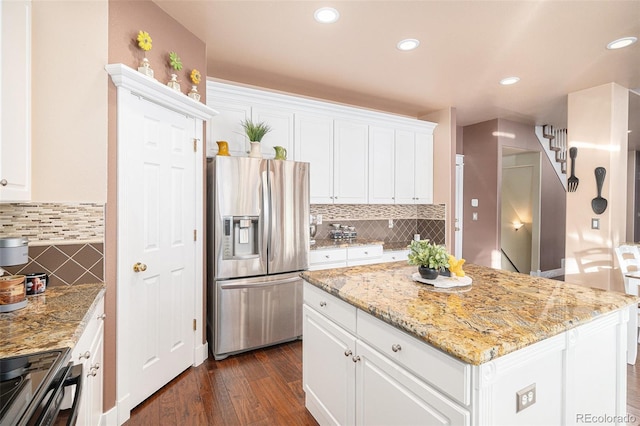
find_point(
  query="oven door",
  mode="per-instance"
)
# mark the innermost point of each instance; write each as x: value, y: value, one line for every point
x: 47, y: 409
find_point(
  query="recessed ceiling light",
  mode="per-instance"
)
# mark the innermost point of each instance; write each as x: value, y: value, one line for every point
x: 326, y: 15
x: 408, y: 44
x: 622, y: 42
x: 509, y: 80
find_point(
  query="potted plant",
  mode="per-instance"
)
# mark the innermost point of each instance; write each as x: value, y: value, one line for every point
x: 430, y: 258
x: 255, y: 132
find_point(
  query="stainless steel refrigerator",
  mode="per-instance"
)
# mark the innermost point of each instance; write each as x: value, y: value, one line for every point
x: 257, y: 244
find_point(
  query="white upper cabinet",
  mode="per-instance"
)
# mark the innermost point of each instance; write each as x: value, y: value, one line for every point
x: 381, y: 165
x: 281, y: 134
x: 350, y: 162
x: 314, y: 144
x: 226, y: 126
x: 356, y: 156
x: 424, y: 168
x: 15, y: 110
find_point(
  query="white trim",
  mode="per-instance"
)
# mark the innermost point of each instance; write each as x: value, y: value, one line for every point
x: 549, y: 273
x: 201, y: 353
x: 217, y: 90
x: 109, y: 417
x: 151, y: 89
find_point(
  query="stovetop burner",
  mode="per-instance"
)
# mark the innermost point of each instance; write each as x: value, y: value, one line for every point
x: 26, y: 378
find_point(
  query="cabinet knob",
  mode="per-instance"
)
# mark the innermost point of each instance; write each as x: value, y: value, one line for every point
x: 139, y: 267
x: 323, y: 304
x: 93, y: 372
x: 355, y: 358
x: 101, y: 316
x: 348, y: 352
x: 366, y: 252
x: 4, y: 182
x: 86, y: 355
x: 326, y: 255
x: 396, y: 347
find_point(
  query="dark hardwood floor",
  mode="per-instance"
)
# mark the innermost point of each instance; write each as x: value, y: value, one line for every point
x: 262, y: 387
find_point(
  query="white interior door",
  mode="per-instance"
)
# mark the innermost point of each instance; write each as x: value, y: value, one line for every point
x: 156, y: 203
x: 459, y: 205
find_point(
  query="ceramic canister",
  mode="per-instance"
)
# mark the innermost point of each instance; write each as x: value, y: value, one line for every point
x: 37, y: 282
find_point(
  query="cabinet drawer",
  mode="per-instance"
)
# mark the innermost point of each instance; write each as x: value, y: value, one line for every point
x: 94, y: 322
x: 443, y: 371
x: 395, y: 255
x: 327, y: 256
x: 330, y: 265
x: 335, y: 309
x: 364, y: 252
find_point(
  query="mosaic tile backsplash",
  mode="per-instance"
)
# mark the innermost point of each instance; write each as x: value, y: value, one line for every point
x: 372, y: 221
x: 65, y: 240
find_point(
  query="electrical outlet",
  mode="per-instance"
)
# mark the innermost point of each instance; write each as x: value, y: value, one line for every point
x: 525, y: 397
x: 390, y: 223
x: 319, y: 219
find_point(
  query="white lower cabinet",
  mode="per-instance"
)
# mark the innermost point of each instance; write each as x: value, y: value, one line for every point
x: 347, y: 381
x: 89, y: 352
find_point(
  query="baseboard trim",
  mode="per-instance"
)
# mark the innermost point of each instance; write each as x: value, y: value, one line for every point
x: 109, y: 417
x: 201, y: 354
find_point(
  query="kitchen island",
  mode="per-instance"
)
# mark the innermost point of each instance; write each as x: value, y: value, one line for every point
x: 509, y: 349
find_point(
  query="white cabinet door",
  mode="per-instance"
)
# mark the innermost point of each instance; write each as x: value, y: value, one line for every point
x: 281, y: 134
x: 314, y: 144
x: 94, y: 377
x: 381, y: 165
x: 226, y: 126
x: 15, y: 109
x: 424, y: 168
x: 328, y: 369
x: 382, y: 384
x: 405, y: 173
x: 350, y: 162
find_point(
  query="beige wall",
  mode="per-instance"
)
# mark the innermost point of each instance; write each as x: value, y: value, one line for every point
x: 69, y: 95
x: 444, y: 167
x: 597, y: 123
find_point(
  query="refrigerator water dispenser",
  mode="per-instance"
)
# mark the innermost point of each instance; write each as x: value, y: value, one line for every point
x: 240, y: 239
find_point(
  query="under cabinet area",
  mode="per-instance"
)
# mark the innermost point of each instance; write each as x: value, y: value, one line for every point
x: 88, y: 352
x: 347, y: 381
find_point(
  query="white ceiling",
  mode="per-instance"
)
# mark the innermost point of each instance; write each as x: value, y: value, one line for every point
x: 555, y: 47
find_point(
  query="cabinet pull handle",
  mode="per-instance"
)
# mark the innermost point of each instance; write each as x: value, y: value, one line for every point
x: 396, y: 347
x: 102, y: 316
x: 348, y: 352
x: 326, y: 255
x: 366, y: 253
x: 4, y: 182
x: 355, y: 358
x: 323, y: 304
x: 86, y: 355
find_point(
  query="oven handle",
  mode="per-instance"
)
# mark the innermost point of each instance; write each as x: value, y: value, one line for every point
x: 75, y: 378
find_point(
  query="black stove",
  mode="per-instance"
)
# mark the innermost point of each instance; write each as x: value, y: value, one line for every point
x: 32, y: 387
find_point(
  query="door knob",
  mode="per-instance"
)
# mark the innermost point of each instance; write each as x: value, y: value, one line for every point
x: 139, y: 267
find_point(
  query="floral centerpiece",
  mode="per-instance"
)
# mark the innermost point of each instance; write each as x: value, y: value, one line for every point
x: 430, y: 258
x: 145, y: 44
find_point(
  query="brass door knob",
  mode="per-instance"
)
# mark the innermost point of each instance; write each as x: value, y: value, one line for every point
x: 139, y: 267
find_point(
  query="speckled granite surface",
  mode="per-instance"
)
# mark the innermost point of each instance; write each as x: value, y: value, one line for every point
x: 53, y: 319
x: 325, y: 244
x: 499, y: 313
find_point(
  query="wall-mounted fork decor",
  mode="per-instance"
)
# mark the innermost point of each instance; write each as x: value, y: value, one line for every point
x: 572, y: 182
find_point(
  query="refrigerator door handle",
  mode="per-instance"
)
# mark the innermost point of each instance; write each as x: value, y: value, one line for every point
x: 266, y: 217
x: 263, y: 284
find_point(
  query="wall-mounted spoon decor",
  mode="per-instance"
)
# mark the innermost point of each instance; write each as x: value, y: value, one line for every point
x: 599, y: 204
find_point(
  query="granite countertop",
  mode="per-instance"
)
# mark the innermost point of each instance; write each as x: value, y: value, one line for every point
x: 328, y: 244
x: 51, y: 320
x: 499, y: 313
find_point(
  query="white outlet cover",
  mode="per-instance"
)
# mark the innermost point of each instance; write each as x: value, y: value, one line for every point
x: 474, y: 202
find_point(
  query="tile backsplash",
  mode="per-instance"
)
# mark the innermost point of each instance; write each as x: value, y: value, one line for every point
x: 372, y: 221
x: 66, y: 241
